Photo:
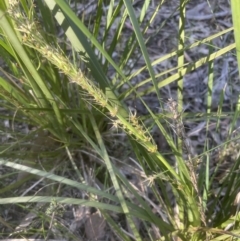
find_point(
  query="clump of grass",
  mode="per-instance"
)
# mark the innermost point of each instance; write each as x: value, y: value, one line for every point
x: 67, y: 91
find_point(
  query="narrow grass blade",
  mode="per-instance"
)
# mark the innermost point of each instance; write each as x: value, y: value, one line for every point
x: 116, y: 185
x: 187, y: 69
x: 170, y: 55
x: 235, y: 7
x: 39, y: 88
x: 79, y: 35
x: 142, y: 45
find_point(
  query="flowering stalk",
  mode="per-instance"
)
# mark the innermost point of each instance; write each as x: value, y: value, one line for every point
x: 31, y: 37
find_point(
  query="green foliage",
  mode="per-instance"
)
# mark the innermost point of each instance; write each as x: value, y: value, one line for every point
x: 73, y: 88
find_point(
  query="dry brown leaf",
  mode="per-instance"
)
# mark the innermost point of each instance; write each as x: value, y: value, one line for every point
x: 94, y: 227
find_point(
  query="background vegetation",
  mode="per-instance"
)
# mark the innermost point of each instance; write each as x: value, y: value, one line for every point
x: 102, y: 134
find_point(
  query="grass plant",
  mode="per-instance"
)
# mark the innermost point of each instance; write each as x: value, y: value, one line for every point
x: 72, y: 143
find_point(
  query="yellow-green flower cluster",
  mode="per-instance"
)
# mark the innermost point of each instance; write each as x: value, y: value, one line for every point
x: 133, y: 127
x: 32, y: 37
